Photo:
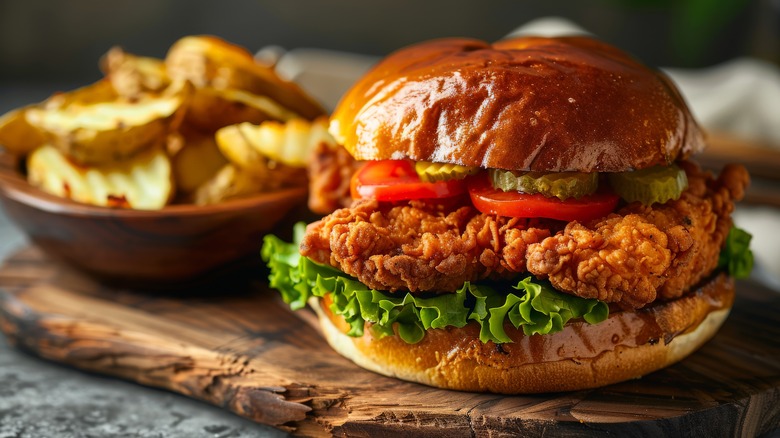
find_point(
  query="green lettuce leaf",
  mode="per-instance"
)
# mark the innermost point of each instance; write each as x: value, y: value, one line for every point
x: 535, y: 306
x: 736, y: 256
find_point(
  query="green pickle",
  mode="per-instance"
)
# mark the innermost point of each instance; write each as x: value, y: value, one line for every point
x: 648, y: 186
x: 431, y: 172
x: 562, y: 185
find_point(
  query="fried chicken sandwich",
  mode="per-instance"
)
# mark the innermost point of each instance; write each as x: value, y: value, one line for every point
x: 525, y: 219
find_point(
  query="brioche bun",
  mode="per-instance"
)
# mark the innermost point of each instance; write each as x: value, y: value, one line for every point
x: 527, y: 104
x: 530, y: 103
x: 629, y: 344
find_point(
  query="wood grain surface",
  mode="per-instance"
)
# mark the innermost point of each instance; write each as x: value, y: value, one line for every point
x: 234, y: 344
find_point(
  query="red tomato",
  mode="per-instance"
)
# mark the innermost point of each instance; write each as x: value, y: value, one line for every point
x: 396, y: 180
x: 490, y: 200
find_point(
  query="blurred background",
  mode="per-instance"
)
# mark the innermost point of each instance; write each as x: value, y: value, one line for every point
x: 58, y: 43
x: 47, y: 46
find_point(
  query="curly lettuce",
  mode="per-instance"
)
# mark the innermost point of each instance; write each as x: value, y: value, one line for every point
x: 736, y: 257
x: 534, y: 306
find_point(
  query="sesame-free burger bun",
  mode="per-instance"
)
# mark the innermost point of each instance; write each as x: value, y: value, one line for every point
x: 529, y: 103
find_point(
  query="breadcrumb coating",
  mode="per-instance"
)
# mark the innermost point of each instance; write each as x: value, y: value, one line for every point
x: 420, y: 247
x: 642, y: 253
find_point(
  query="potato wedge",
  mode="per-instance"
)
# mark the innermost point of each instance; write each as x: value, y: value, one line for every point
x: 236, y: 148
x: 230, y: 183
x: 234, y: 182
x: 108, y: 132
x: 144, y: 182
x: 197, y: 160
x: 210, y: 108
x: 132, y: 75
x: 17, y: 136
x: 290, y: 143
x: 99, y: 92
x: 207, y: 61
x: 20, y: 137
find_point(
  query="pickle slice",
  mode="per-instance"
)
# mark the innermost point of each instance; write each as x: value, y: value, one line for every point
x: 562, y: 185
x: 654, y: 184
x: 431, y: 172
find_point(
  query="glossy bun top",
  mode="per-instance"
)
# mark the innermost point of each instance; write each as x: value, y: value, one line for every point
x: 529, y: 103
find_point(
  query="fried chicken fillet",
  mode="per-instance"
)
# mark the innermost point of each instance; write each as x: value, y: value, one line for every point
x: 631, y: 257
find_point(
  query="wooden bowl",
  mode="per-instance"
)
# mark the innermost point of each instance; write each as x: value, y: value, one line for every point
x: 138, y: 247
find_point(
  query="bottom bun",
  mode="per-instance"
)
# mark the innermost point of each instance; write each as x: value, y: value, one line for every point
x: 628, y: 345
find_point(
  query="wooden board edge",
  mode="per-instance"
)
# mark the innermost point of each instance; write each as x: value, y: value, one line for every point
x: 200, y: 373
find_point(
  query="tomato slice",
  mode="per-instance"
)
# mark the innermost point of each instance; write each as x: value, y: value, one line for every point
x: 396, y: 180
x: 490, y: 200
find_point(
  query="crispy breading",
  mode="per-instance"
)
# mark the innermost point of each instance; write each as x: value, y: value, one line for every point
x: 631, y: 257
x: 330, y: 169
x: 420, y: 247
x: 644, y: 252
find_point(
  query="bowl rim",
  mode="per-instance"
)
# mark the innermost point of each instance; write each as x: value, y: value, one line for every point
x: 14, y: 186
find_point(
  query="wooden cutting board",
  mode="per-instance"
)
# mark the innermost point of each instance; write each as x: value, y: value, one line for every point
x: 235, y: 345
